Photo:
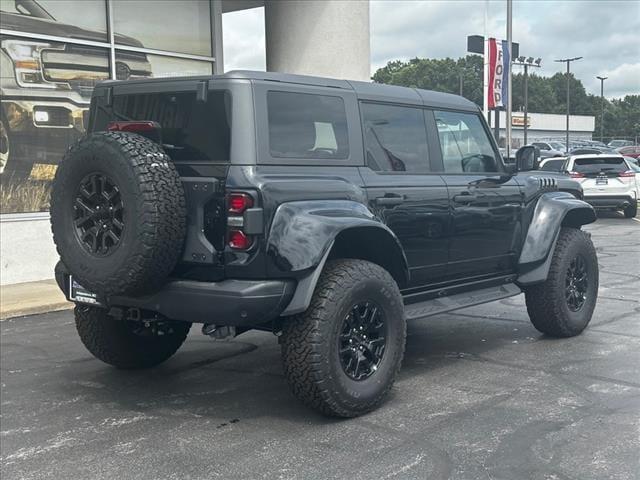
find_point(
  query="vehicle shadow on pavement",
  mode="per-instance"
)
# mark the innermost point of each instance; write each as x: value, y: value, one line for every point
x: 242, y: 379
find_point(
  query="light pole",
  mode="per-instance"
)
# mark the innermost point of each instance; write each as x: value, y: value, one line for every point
x: 568, y: 62
x: 526, y: 63
x: 602, y: 79
x: 509, y: 93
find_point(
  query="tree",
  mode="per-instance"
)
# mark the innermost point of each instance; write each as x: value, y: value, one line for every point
x: 546, y: 94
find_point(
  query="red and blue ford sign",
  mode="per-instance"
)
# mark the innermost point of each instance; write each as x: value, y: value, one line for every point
x: 499, y: 59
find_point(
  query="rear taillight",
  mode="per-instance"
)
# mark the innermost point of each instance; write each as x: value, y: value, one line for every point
x: 238, y: 240
x: 137, y: 127
x: 576, y: 175
x: 628, y: 173
x: 237, y: 204
x: 146, y: 128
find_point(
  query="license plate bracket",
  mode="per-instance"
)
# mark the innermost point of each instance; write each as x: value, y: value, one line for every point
x: 79, y: 294
x: 602, y: 181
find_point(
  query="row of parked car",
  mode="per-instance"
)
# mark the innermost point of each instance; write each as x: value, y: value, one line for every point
x: 608, y: 180
x: 558, y: 149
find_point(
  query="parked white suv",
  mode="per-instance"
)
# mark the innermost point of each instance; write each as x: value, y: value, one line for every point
x: 607, y: 180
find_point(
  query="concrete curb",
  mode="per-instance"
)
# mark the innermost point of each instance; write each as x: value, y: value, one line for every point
x: 31, y: 298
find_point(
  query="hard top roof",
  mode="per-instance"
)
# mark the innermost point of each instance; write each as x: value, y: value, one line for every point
x: 364, y: 90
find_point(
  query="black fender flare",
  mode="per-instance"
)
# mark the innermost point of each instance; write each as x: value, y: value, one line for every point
x: 553, y: 211
x: 303, y: 233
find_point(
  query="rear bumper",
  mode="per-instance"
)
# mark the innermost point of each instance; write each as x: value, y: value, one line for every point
x: 610, y: 201
x: 229, y: 302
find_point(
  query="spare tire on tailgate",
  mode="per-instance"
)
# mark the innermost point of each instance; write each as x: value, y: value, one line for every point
x: 118, y: 213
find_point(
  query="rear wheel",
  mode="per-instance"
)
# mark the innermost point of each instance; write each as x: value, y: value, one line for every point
x: 342, y: 355
x: 127, y: 344
x: 562, y: 306
x: 631, y: 211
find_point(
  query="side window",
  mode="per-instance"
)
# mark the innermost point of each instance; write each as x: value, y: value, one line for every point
x: 303, y: 125
x: 395, y: 138
x: 465, y: 145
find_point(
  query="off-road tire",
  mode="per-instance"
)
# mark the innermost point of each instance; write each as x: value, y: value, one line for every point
x: 154, y: 213
x: 310, y: 340
x: 631, y: 211
x: 114, y: 341
x: 546, y: 302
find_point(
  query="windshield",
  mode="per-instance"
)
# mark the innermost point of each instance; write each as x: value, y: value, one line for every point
x: 553, y: 165
x: 594, y: 165
x: 29, y: 8
x: 557, y: 146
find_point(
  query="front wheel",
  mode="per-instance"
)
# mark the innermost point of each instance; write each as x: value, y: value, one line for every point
x: 127, y: 344
x: 562, y: 306
x: 342, y: 355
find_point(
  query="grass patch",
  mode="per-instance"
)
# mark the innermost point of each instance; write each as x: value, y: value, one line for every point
x: 25, y: 196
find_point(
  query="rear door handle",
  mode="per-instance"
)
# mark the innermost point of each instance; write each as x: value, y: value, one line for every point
x: 464, y: 198
x: 389, y: 200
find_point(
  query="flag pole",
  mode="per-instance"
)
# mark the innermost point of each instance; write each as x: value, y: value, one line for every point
x: 508, y: 99
x: 485, y: 78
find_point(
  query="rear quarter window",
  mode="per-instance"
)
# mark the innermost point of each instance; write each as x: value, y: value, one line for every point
x: 307, y: 126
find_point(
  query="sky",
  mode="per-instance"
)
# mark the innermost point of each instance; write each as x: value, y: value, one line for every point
x: 605, y: 32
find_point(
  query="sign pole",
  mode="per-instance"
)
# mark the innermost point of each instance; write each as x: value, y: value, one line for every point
x: 485, y: 78
x: 508, y: 99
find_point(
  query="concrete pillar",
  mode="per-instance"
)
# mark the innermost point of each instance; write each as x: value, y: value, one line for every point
x: 328, y: 38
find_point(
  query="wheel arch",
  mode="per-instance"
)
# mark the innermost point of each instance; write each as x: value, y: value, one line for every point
x: 304, y: 235
x: 553, y: 211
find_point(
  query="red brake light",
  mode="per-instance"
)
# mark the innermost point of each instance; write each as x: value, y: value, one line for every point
x: 576, y: 175
x: 132, y: 126
x: 238, y: 240
x: 628, y: 173
x: 239, y: 202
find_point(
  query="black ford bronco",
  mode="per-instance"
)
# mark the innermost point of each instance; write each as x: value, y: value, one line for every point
x: 328, y: 212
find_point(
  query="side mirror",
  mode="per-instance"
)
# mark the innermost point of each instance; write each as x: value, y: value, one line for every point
x: 527, y: 158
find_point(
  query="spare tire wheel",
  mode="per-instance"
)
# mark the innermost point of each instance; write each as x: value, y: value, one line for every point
x: 118, y: 213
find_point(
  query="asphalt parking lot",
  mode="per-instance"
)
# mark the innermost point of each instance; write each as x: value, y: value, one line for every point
x: 481, y: 395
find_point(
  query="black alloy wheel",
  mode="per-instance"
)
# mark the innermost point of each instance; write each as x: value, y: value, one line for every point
x: 98, y: 214
x: 362, y: 340
x: 576, y: 283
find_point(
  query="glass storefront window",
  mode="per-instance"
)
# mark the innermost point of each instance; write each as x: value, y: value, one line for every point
x: 46, y: 88
x: 183, y: 26
x: 131, y: 65
x: 59, y: 18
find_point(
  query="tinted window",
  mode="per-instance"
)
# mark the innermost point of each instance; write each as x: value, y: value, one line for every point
x: 303, y: 125
x: 465, y: 144
x: 541, y: 146
x: 191, y: 130
x: 553, y: 165
x: 395, y: 138
x: 595, y: 165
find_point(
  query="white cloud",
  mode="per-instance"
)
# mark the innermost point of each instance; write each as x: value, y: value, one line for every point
x: 243, y: 40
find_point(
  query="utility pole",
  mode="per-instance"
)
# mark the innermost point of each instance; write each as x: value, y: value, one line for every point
x: 568, y: 62
x: 509, y: 95
x: 526, y: 63
x: 460, y: 73
x: 602, y: 79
